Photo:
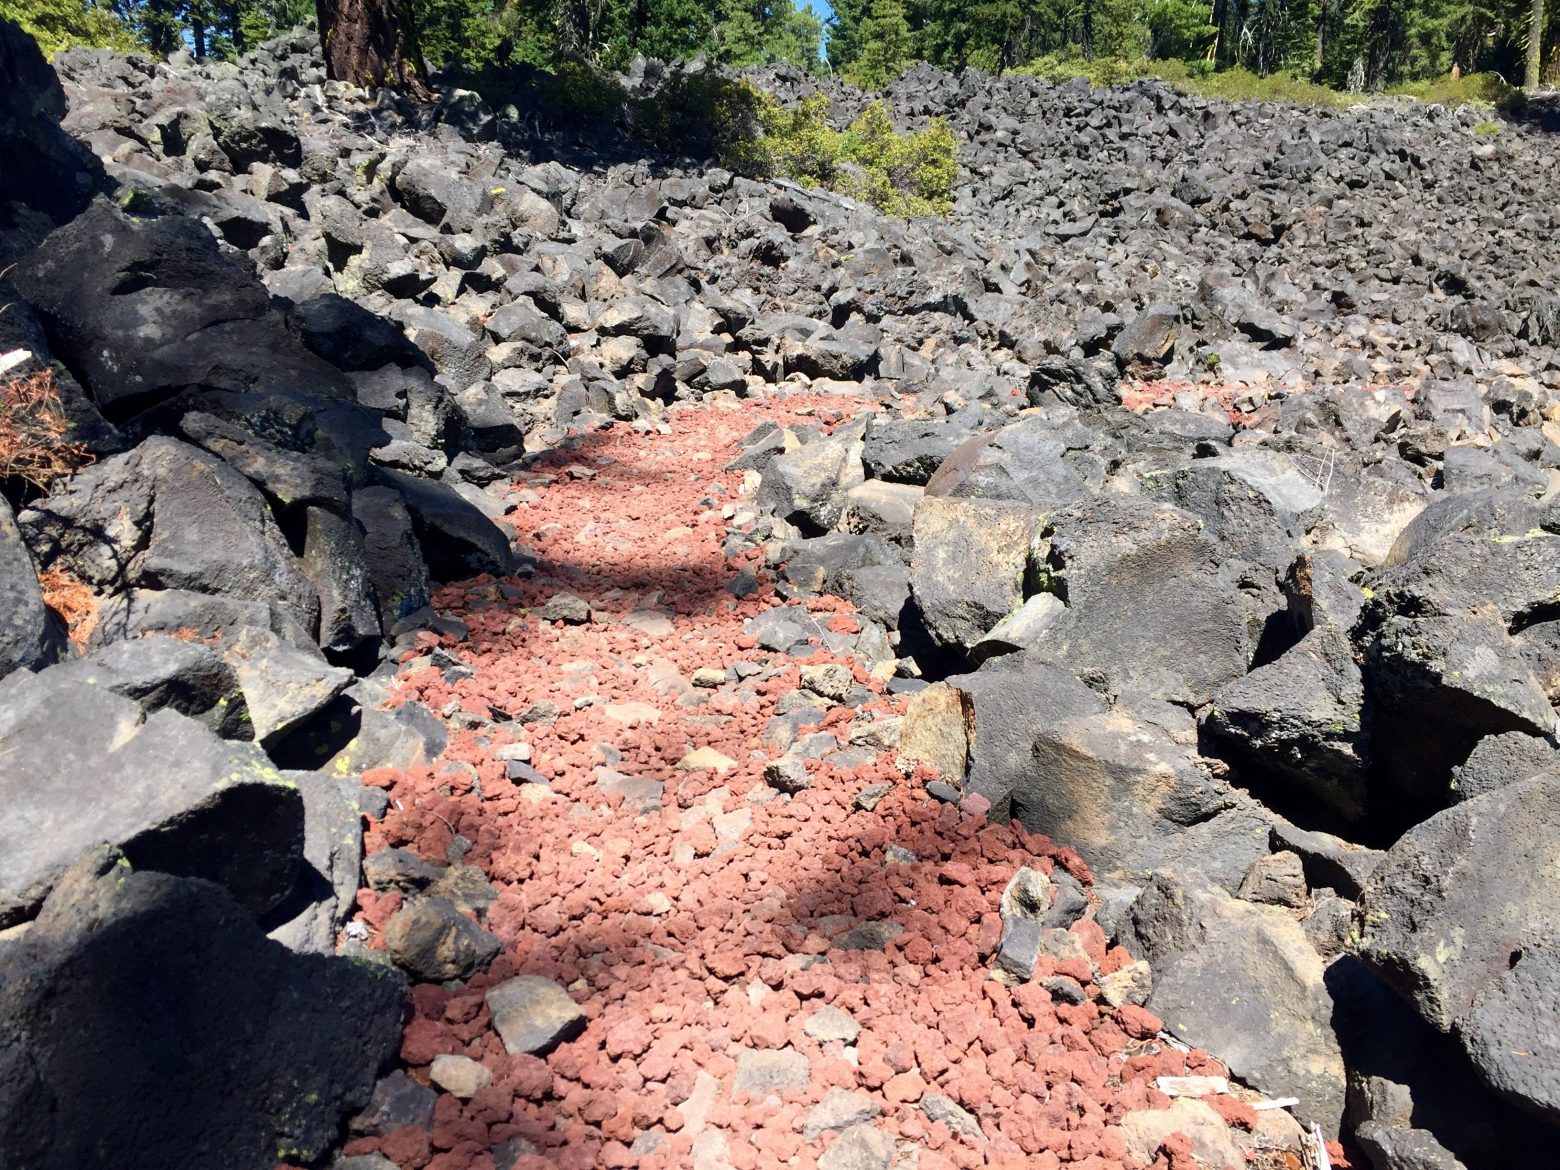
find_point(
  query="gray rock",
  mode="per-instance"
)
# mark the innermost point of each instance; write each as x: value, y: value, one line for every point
x: 175, y: 796
x: 458, y: 539
x: 288, y: 478
x: 1430, y: 927
x: 284, y: 685
x: 1440, y: 684
x: 459, y: 1075
x: 1276, y: 880
x: 1130, y: 794
x: 1392, y: 1148
x: 1149, y: 338
x: 188, y: 677
x: 30, y: 637
x: 807, y: 487
x: 1512, y: 1031
x: 397, y: 1102
x: 327, y: 884
x: 1498, y: 760
x: 1147, y: 608
x: 335, y: 559
x: 970, y: 565
x: 142, y: 309
x: 959, y: 1120
x: 1023, y: 461
x: 1255, y: 503
x: 840, y: 1109
x: 1244, y: 981
x: 564, y: 607
x: 761, y: 1072
x: 1328, y: 862
x: 533, y: 1015
x: 861, y: 1147
x: 169, y: 516
x: 391, y: 553
x: 1300, y: 719
x: 1074, y: 382
x: 1413, y: 1094
x: 433, y: 941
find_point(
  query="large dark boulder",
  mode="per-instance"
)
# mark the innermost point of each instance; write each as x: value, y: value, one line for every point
x: 1244, y: 981
x: 147, y: 1024
x: 1120, y: 782
x: 458, y: 540
x: 971, y: 564
x: 30, y: 637
x: 1461, y: 918
x: 1022, y: 461
x: 1300, y: 721
x: 1256, y: 504
x: 1148, y: 608
x: 1441, y: 683
x: 185, y: 676
x: 83, y: 764
x: 45, y: 170
x: 144, y: 309
x: 170, y: 516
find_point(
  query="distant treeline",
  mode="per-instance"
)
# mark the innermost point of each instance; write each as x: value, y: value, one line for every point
x: 1347, y: 44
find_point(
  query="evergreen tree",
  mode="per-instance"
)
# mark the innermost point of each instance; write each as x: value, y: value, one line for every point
x: 62, y: 24
x: 886, y: 46
x: 844, y: 43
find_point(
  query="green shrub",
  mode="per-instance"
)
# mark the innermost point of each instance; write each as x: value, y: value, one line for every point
x: 900, y: 174
x: 1471, y: 89
x: 794, y: 142
x: 702, y: 113
x: 576, y: 93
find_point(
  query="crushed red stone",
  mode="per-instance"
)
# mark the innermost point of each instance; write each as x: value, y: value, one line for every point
x: 715, y: 924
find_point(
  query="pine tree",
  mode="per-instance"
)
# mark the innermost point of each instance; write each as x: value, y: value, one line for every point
x: 371, y: 43
x: 886, y: 46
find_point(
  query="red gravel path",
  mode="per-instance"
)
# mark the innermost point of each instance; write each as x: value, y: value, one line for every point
x: 692, y: 932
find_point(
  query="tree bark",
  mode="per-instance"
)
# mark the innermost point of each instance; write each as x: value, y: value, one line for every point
x: 1535, y: 45
x: 371, y: 43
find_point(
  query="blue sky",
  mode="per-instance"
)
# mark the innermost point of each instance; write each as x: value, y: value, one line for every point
x: 821, y: 7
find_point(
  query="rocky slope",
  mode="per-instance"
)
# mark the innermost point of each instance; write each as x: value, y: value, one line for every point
x: 1185, y: 497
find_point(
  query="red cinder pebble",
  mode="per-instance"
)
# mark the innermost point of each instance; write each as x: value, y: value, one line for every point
x: 682, y: 909
x: 1139, y: 1022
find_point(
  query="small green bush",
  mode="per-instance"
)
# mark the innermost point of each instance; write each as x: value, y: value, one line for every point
x: 1471, y: 89
x: 702, y: 113
x: 575, y: 93
x: 900, y: 174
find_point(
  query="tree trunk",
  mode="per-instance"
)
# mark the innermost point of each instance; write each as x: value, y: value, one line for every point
x: 1535, y: 45
x: 1321, y: 36
x: 371, y: 43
